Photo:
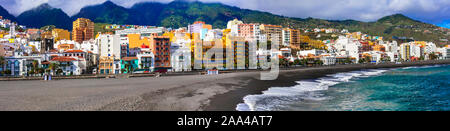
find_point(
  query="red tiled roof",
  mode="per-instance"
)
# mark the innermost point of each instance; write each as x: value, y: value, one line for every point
x: 129, y: 58
x: 63, y: 59
x: 52, y: 50
x: 45, y: 63
x: 74, y: 51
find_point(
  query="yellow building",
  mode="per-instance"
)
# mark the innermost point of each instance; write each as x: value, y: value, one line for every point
x: 379, y: 48
x: 135, y: 41
x: 46, y: 35
x: 171, y: 35
x: 60, y: 34
x: 65, y: 47
x: 83, y: 29
x: 294, y: 39
x: 273, y: 32
x: 106, y: 65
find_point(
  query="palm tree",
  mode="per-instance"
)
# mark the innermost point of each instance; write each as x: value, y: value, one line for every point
x: 53, y: 67
x: 127, y: 67
x: 2, y: 62
x: 34, y: 67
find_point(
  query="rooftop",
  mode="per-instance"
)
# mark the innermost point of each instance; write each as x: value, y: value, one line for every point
x: 64, y: 59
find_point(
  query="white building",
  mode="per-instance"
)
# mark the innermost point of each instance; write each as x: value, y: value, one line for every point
x: 375, y: 56
x: 109, y: 45
x: 448, y: 52
x: 181, y: 55
x: 213, y: 35
x: 233, y: 25
x: 314, y: 52
x: 347, y: 47
x: 328, y: 59
x: 76, y: 44
x: 144, y: 32
x: 90, y: 46
x: 146, y: 59
x: 234, y: 22
x: 286, y: 36
x: 36, y: 45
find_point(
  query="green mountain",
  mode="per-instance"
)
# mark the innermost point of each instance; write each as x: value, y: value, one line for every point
x: 180, y: 13
x: 45, y: 15
x: 401, y: 26
x: 6, y: 15
x: 108, y: 12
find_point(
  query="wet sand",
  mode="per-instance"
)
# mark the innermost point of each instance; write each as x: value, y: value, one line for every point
x: 171, y: 93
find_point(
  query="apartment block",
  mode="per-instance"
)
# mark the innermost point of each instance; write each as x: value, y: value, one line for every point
x: 83, y: 29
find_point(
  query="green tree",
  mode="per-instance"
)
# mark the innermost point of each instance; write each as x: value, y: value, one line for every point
x: 59, y: 71
x: 421, y: 58
x: 297, y: 62
x: 2, y: 63
x: 348, y: 60
x: 318, y: 62
x: 53, y: 67
x: 433, y: 56
x: 34, y: 67
x: 2, y: 60
x: 304, y: 62
x: 284, y: 62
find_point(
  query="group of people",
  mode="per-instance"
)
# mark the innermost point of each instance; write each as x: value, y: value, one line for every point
x: 47, y: 77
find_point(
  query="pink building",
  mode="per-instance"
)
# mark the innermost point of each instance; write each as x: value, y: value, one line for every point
x: 249, y: 31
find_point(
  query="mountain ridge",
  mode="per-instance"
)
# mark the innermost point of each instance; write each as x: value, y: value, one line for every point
x: 43, y: 15
x: 180, y: 13
x: 6, y: 14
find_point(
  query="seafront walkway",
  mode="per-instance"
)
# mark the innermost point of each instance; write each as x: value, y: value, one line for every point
x: 202, y: 72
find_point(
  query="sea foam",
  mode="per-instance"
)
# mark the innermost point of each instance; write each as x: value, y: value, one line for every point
x: 275, y: 97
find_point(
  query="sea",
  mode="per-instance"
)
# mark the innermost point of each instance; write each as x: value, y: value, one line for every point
x: 422, y: 88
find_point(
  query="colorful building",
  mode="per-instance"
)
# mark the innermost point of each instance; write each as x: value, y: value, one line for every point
x: 273, y: 33
x: 83, y: 29
x: 137, y: 41
x: 129, y: 64
x: 106, y: 65
x: 146, y: 60
x: 60, y: 34
x: 160, y: 47
x: 198, y: 26
x: 249, y: 31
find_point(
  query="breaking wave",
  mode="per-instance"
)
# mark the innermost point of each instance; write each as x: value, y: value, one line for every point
x: 276, y: 97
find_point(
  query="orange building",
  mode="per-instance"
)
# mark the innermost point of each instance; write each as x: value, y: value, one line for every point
x: 273, y: 32
x: 294, y: 39
x: 136, y: 41
x: 379, y: 48
x: 60, y: 34
x: 160, y: 46
x: 83, y: 29
x: 65, y: 47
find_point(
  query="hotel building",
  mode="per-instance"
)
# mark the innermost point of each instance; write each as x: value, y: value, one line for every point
x: 83, y: 29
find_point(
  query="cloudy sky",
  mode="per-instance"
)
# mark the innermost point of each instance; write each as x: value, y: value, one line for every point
x: 430, y: 11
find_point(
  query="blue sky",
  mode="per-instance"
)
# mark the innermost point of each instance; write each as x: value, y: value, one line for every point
x: 431, y: 11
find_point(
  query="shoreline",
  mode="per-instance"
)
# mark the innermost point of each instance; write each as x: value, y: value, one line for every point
x: 228, y: 101
x: 170, y: 93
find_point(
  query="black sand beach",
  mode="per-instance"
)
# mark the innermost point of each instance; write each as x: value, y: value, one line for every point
x: 287, y: 78
x: 169, y: 93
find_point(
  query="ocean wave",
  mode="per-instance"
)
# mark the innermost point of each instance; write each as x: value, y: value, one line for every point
x: 276, y: 97
x: 426, y: 66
